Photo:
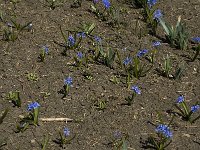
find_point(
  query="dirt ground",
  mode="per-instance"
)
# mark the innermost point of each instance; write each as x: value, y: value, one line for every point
x: 94, y: 128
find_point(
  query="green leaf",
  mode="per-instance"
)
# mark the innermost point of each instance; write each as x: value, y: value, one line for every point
x: 3, y: 115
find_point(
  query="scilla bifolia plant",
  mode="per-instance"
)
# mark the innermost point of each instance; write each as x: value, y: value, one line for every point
x: 151, y: 56
x: 119, y: 141
x: 135, y: 91
x: 65, y: 137
x: 177, y: 36
x: 71, y: 42
x: 136, y: 69
x: 67, y: 84
x: 163, y: 136
x: 162, y: 139
x: 196, y: 40
x: 13, y: 29
x: 151, y: 15
x: 101, y: 14
x: 31, y: 118
x: 14, y: 98
x: 184, y: 111
x: 44, y: 52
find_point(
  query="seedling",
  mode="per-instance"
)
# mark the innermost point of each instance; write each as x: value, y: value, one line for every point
x: 101, y: 104
x: 32, y: 77
x: 177, y: 36
x: 14, y: 98
x: 45, y: 142
x: 167, y: 67
x: 44, y: 52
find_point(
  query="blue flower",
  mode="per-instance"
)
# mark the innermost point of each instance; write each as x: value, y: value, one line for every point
x: 80, y: 55
x: 164, y: 130
x: 95, y: 1
x: 136, y: 89
x: 157, y: 14
x: 196, y: 39
x: 68, y: 81
x: 156, y: 44
x: 66, y: 132
x: 127, y: 61
x: 81, y: 34
x: 151, y: 3
x: 195, y: 108
x: 117, y: 134
x: 33, y: 105
x: 106, y: 3
x: 46, y: 49
x: 71, y: 40
x: 97, y: 39
x: 180, y: 99
x: 142, y: 53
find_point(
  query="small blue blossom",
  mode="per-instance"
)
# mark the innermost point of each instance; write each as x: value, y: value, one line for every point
x: 68, y: 81
x: 81, y: 34
x: 156, y: 44
x: 95, y: 1
x: 151, y: 3
x: 117, y: 134
x: 195, y: 108
x: 127, y: 61
x: 80, y: 55
x: 66, y: 132
x: 97, y: 39
x: 136, y: 89
x: 33, y: 105
x: 180, y: 99
x: 71, y: 40
x: 106, y: 3
x: 157, y: 14
x: 142, y: 53
x: 196, y: 39
x: 46, y: 49
x: 164, y: 130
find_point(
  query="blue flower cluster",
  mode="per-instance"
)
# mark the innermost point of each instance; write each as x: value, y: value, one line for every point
x: 142, y: 53
x: 136, y: 89
x: 33, y: 105
x: 156, y: 44
x: 127, y: 61
x: 157, y: 14
x: 196, y: 39
x: 66, y: 132
x: 164, y: 130
x: 195, y: 108
x: 80, y: 55
x: 180, y: 99
x: 151, y: 3
x: 106, y: 3
x: 68, y: 81
x: 71, y: 41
